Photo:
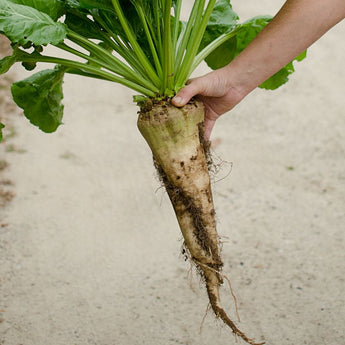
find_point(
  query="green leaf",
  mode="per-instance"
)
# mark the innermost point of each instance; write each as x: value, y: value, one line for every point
x: 1, y: 127
x: 6, y: 63
x: 23, y: 24
x: 71, y: 3
x: 223, y: 19
x: 29, y: 66
x: 82, y: 25
x: 97, y: 4
x: 54, y: 8
x: 221, y: 56
x: 40, y: 97
x: 249, y: 31
x: 102, y: 10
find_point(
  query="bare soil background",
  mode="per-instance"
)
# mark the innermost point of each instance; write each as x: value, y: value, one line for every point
x: 90, y: 247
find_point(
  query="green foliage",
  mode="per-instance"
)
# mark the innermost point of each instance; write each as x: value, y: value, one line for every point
x: 83, y: 25
x: 6, y: 63
x: 141, y: 44
x: 40, y: 97
x: 24, y: 24
x: 54, y: 8
x: 250, y: 30
x: 222, y: 20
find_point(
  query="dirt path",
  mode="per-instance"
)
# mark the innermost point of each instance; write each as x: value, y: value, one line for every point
x: 90, y: 248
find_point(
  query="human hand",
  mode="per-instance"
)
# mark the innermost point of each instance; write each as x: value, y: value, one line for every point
x: 296, y: 26
x: 215, y: 91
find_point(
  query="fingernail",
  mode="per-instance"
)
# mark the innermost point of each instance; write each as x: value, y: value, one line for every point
x: 178, y: 100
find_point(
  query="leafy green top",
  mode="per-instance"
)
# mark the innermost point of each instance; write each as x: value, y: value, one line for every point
x: 141, y: 44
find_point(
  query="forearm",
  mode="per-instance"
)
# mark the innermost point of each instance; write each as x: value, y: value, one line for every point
x: 296, y: 26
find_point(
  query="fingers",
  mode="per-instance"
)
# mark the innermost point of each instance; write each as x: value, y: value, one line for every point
x: 198, y: 87
x: 185, y: 94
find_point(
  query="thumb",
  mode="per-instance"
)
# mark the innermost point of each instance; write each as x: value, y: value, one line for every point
x: 185, y: 94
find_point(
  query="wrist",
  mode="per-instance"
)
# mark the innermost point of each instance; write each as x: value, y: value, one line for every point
x: 237, y: 80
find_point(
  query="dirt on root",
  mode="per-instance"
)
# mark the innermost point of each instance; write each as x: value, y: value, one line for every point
x: 158, y: 111
x: 177, y: 194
